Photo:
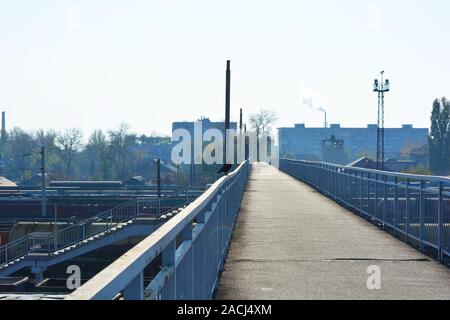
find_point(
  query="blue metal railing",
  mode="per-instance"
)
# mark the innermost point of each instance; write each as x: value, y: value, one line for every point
x: 414, y: 208
x: 192, y: 246
x: 49, y: 243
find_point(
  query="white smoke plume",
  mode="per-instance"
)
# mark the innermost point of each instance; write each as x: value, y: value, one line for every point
x: 313, y: 103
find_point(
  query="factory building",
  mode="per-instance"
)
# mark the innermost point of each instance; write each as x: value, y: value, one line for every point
x: 196, y: 171
x: 305, y: 143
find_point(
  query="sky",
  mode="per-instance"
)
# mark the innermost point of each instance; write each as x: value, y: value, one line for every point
x: 93, y: 64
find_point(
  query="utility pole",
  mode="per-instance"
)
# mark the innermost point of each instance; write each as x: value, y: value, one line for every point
x: 227, y: 109
x: 158, y: 164
x: 380, y: 87
x: 43, y: 195
x: 3, y: 132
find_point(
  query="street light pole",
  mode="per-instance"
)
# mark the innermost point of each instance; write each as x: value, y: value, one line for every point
x: 380, y: 88
x: 43, y: 195
x: 158, y: 163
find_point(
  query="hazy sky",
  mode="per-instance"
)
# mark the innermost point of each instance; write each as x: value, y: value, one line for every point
x: 97, y: 63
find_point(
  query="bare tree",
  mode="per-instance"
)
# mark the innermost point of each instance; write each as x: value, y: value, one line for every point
x: 120, y: 143
x: 20, y: 144
x: 47, y: 139
x: 262, y: 122
x: 69, y: 143
x: 96, y: 152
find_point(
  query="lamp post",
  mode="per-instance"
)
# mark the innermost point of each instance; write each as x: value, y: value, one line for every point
x: 158, y: 175
x: 43, y: 187
x: 44, y: 197
x: 380, y: 88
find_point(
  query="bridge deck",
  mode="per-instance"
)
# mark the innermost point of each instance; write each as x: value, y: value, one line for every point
x: 291, y: 242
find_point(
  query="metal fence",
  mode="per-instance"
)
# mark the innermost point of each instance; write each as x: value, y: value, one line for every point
x: 414, y: 208
x: 50, y: 242
x: 192, y: 247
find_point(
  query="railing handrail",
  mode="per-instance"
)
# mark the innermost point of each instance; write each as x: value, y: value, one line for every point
x: 379, y: 172
x: 113, y: 278
x: 416, y: 210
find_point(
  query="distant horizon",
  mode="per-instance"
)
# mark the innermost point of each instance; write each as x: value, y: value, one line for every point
x: 131, y: 130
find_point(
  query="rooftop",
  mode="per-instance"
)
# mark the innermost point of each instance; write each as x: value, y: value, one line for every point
x: 338, y: 126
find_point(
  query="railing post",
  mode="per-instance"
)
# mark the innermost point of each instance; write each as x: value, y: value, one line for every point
x: 137, y: 208
x: 361, y: 179
x: 354, y: 189
x: 395, y: 205
x: 186, y: 235
x: 385, y: 200
x: 408, y: 209
x: 344, y: 186
x: 439, y: 231
x: 168, y: 261
x: 376, y: 197
x: 6, y: 253
x: 49, y: 245
x: 108, y: 224
x: 55, y: 240
x: 368, y: 193
x: 32, y: 241
x: 318, y: 177
x: 135, y: 289
x: 336, y: 183
x: 350, y: 188
x: 421, y: 213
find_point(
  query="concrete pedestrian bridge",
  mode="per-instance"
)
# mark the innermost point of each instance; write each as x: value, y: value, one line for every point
x: 307, y: 231
x: 291, y: 242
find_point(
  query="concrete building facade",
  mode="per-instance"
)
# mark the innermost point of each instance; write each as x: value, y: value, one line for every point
x: 301, y: 142
x: 196, y: 170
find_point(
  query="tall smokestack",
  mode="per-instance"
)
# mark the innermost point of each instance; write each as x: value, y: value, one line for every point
x: 227, y: 109
x: 227, y: 96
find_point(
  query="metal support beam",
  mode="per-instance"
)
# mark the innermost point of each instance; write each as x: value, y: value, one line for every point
x: 168, y: 261
x: 135, y: 289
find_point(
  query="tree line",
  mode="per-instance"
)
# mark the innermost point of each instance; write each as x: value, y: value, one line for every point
x: 119, y: 154
x: 116, y: 154
x: 439, y: 138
